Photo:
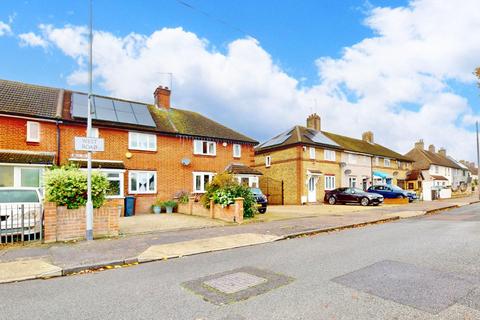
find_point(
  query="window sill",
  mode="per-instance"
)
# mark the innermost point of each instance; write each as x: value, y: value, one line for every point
x: 143, y: 150
x: 204, y: 155
x: 142, y: 193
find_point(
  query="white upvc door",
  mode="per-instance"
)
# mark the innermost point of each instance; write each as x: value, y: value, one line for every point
x: 312, y: 190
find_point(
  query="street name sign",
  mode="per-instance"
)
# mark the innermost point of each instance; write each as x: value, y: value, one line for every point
x: 89, y: 144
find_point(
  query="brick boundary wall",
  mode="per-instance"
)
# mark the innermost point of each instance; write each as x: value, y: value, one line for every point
x: 62, y: 224
x: 231, y: 213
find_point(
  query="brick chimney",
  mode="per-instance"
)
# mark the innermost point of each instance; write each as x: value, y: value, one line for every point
x: 162, y: 97
x: 419, y: 144
x: 442, y: 152
x: 431, y: 148
x: 314, y: 122
x: 368, y: 137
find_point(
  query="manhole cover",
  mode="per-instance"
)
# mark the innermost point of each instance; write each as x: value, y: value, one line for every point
x: 235, y: 282
x: 236, y: 285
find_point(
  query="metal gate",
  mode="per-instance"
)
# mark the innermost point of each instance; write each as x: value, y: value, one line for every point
x: 273, y: 189
x: 21, y: 222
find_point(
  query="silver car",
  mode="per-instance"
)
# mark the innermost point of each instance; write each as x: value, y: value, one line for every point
x: 20, y: 211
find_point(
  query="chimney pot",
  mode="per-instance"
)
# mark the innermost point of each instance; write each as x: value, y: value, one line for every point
x: 368, y: 137
x: 442, y: 152
x: 162, y: 97
x: 420, y: 145
x: 314, y: 122
x: 431, y: 148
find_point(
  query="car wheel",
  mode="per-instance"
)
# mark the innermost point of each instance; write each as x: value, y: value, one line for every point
x: 332, y: 200
x: 364, y: 202
x: 262, y: 210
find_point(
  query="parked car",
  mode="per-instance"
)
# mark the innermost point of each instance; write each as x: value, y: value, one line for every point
x: 261, y: 199
x: 20, y: 211
x: 353, y: 195
x: 389, y: 191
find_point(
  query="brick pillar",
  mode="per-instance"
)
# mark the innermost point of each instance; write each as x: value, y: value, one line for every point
x: 191, y: 201
x: 50, y: 222
x: 238, y: 216
x: 212, y: 210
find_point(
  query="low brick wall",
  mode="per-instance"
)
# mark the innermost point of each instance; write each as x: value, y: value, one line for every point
x: 62, y: 224
x: 231, y: 213
x: 395, y: 201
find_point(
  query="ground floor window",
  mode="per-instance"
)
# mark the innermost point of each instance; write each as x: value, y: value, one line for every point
x: 200, y: 181
x: 142, y: 182
x: 352, y: 182
x: 13, y: 176
x: 251, y: 181
x: 329, y: 182
x: 411, y: 186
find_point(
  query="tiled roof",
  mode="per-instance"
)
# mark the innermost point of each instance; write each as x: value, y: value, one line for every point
x: 439, y: 178
x: 414, y: 175
x: 27, y: 99
x: 238, y: 168
x: 303, y: 135
x: 424, y: 158
x: 7, y: 156
x: 358, y: 145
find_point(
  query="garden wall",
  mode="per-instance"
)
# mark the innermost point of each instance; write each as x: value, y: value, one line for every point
x: 231, y: 213
x: 62, y: 224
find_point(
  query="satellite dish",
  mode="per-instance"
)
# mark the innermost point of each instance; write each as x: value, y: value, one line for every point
x: 185, y: 161
x: 348, y: 171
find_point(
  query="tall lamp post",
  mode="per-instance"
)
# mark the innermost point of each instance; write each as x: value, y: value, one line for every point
x: 89, y: 208
x: 478, y: 156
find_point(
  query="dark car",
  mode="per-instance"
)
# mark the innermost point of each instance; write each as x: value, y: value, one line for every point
x: 391, y: 192
x: 352, y: 195
x: 261, y: 199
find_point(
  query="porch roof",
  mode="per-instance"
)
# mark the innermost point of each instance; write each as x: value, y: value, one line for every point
x: 239, y: 168
x: 100, y: 164
x: 10, y: 156
x: 439, y: 178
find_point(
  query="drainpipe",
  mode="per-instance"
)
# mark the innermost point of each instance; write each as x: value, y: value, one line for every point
x: 58, y: 142
x: 371, y: 171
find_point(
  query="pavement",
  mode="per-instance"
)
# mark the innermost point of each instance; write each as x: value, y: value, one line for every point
x: 128, y: 249
x: 425, y: 267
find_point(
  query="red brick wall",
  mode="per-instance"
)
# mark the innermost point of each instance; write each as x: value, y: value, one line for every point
x: 62, y: 224
x: 172, y: 176
x: 13, y: 135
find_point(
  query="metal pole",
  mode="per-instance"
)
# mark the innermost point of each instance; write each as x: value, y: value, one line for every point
x: 89, y: 208
x: 478, y: 157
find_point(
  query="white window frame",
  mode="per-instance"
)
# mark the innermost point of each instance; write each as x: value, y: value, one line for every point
x: 387, y: 162
x: 268, y: 161
x: 329, y: 155
x: 312, y: 153
x: 237, y: 150
x: 31, y: 138
x: 329, y: 182
x: 121, y: 178
x: 17, y: 173
x: 202, y: 181
x: 198, y: 147
x: 139, y: 172
x: 136, y: 136
x: 352, y: 180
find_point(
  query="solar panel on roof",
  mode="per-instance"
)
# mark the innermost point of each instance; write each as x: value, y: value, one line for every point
x: 112, y: 110
x: 318, y: 137
x: 277, y: 140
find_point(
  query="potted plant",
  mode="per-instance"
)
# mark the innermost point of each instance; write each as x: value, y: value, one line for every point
x: 169, y: 205
x: 157, y: 207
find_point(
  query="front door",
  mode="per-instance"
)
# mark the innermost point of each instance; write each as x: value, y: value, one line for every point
x: 312, y: 190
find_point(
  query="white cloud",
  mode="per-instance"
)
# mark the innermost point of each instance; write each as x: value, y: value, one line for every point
x: 32, y: 40
x: 5, y: 29
x: 415, y: 52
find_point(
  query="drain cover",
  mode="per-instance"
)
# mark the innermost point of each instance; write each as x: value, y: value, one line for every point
x: 236, y: 285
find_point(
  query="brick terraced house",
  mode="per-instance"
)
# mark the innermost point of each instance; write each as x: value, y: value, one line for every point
x: 308, y: 161
x: 152, y: 151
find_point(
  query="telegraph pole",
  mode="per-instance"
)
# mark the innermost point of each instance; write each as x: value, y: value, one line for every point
x: 89, y: 208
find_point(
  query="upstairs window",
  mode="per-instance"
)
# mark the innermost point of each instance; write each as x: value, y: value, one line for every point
x: 312, y: 153
x: 33, y: 131
x: 329, y: 155
x: 268, y: 161
x: 208, y: 148
x: 386, y: 162
x: 142, y: 141
x: 237, y: 150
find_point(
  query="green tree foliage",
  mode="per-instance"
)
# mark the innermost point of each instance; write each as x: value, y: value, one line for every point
x: 67, y: 186
x: 223, y: 190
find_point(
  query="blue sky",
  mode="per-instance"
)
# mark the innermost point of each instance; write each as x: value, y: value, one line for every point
x: 399, y: 68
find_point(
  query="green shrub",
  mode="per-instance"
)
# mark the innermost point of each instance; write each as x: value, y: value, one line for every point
x: 67, y: 186
x: 169, y: 203
x: 223, y: 190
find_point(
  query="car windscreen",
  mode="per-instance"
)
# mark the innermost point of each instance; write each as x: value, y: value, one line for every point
x: 14, y: 196
x: 395, y: 188
x: 358, y: 190
x: 256, y: 191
